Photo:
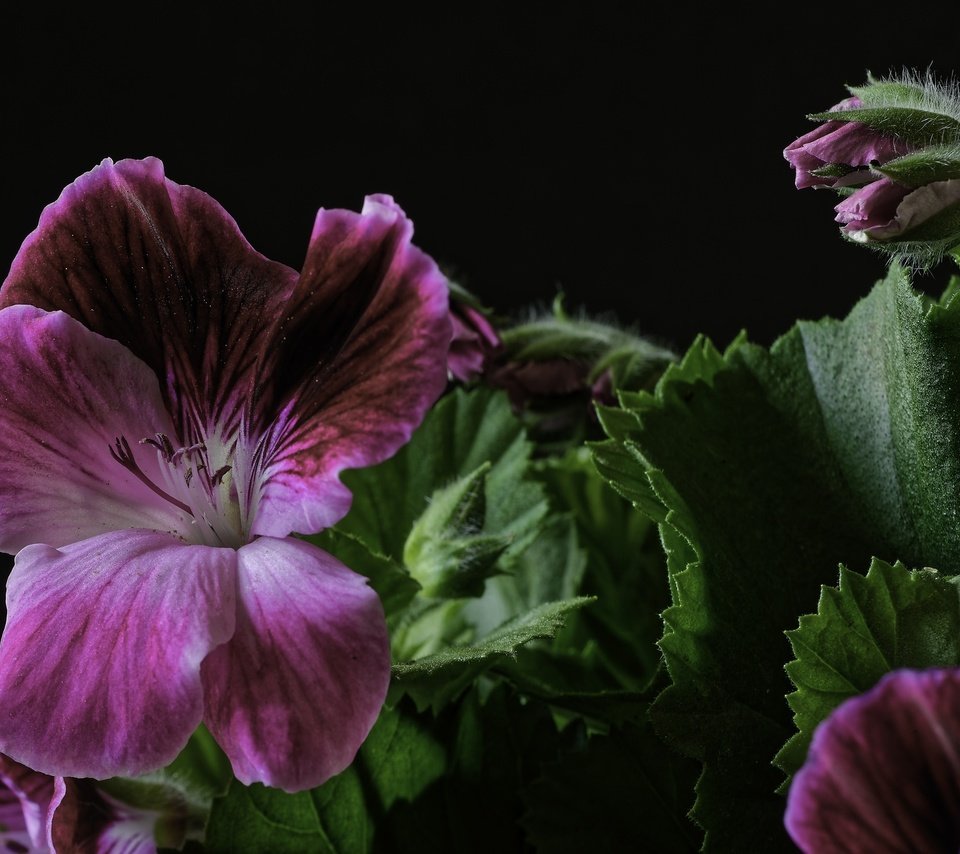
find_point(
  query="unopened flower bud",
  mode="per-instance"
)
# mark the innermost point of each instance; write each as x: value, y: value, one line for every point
x: 475, y: 341
x: 893, y: 151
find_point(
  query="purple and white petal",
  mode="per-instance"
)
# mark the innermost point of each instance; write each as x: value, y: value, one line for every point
x: 67, y: 395
x: 163, y: 269
x: 100, y: 658
x: 293, y: 695
x: 25, y: 801
x: 883, y: 771
x: 359, y: 357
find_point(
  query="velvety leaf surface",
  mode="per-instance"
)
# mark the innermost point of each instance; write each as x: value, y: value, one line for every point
x: 772, y: 467
x: 864, y: 628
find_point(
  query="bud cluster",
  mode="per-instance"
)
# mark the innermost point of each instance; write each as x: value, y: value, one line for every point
x: 892, y: 150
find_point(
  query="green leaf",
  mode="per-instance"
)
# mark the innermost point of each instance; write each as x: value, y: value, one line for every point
x: 917, y: 126
x: 550, y: 570
x: 624, y: 569
x: 461, y: 433
x: 436, y: 679
x: 864, y: 628
x: 621, y: 792
x: 839, y: 443
x: 565, y: 681
x: 351, y: 813
x: 936, y: 163
x: 201, y: 765
x: 879, y: 93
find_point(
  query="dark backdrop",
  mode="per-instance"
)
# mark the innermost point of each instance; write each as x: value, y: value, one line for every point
x: 631, y: 158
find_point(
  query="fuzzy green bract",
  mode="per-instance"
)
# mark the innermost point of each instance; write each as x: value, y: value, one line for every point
x: 766, y: 470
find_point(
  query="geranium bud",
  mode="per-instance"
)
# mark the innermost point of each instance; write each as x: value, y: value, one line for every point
x: 893, y: 151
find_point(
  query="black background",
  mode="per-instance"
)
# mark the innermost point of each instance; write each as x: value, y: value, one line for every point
x: 632, y: 158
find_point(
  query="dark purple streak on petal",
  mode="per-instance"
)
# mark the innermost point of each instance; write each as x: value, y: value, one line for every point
x: 163, y: 269
x: 66, y: 394
x: 359, y: 357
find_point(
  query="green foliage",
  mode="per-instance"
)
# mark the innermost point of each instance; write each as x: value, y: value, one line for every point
x: 447, y: 551
x: 768, y: 469
x: 936, y: 163
x: 391, y: 580
x: 485, y: 559
x: 398, y: 762
x: 866, y: 627
x: 600, y: 346
x: 464, y: 432
x: 435, y: 679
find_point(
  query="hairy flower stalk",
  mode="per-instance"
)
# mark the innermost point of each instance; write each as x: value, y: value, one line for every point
x: 176, y: 406
x: 892, y: 150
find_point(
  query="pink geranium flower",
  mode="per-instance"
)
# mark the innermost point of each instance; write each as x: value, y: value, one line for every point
x: 174, y: 407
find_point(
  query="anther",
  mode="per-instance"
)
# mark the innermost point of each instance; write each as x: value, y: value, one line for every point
x: 182, y: 452
x: 218, y: 475
x: 162, y: 444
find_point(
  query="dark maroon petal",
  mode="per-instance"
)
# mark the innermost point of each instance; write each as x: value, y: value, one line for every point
x: 163, y: 269
x: 883, y: 771
x: 474, y: 343
x: 525, y: 381
x: 359, y: 356
x: 80, y: 816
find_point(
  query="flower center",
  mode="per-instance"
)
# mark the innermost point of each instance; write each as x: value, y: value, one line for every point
x: 197, y: 480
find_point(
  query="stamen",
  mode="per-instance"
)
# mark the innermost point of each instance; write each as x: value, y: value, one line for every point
x: 123, y: 455
x: 162, y: 444
x: 182, y: 452
x: 218, y: 475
